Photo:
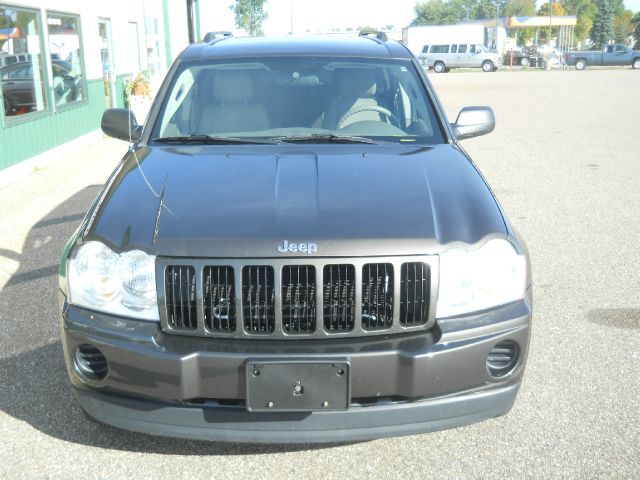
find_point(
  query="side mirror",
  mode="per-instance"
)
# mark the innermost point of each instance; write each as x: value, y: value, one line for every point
x: 473, y: 122
x: 121, y: 123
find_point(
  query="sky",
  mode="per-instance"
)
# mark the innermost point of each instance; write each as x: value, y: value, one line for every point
x: 323, y: 15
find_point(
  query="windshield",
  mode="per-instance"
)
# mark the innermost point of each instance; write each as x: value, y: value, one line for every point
x: 282, y: 97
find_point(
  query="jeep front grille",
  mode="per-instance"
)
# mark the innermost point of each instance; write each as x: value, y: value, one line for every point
x: 297, y: 297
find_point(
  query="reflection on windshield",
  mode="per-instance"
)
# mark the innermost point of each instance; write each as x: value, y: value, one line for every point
x: 302, y: 97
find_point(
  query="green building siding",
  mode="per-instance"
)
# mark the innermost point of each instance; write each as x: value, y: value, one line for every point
x: 23, y: 140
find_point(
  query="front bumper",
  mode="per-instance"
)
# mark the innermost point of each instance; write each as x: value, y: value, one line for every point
x: 195, y: 387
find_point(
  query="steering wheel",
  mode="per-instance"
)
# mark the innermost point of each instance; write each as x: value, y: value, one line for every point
x: 371, y: 108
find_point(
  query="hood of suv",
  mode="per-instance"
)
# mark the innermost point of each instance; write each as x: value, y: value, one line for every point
x: 245, y: 201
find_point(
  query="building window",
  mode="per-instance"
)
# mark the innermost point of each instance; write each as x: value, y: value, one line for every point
x: 21, y: 62
x: 67, y: 66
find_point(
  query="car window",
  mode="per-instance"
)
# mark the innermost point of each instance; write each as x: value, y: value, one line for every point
x: 462, y: 49
x: 59, y: 71
x: 454, y: 49
x: 425, y: 49
x: 440, y: 49
x: 610, y: 49
x: 23, y: 71
x: 620, y: 49
x: 382, y: 100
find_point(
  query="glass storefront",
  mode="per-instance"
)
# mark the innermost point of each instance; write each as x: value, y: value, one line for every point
x: 65, y: 48
x: 21, y: 62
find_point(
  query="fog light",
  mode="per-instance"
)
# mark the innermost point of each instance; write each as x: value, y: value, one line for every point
x: 502, y: 358
x: 91, y: 363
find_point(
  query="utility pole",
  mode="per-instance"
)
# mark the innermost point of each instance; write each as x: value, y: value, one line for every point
x: 550, y: 20
x: 291, y: 16
x: 497, y: 15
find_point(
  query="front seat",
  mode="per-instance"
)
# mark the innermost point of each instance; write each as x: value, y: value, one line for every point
x: 232, y: 109
x: 356, y: 89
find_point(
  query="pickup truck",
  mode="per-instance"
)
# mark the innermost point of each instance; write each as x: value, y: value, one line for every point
x: 611, y: 55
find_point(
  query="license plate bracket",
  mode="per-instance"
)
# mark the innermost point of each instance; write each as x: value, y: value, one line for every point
x: 297, y: 386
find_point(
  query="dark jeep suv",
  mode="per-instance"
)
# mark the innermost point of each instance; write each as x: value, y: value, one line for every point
x: 295, y: 249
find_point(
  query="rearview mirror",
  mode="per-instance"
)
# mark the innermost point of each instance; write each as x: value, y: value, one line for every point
x: 121, y: 123
x: 473, y: 122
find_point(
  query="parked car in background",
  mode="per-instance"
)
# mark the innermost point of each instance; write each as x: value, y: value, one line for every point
x: 611, y: 55
x: 442, y: 58
x: 19, y: 86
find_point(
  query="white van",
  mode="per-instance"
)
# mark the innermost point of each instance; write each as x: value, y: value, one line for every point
x: 444, y: 57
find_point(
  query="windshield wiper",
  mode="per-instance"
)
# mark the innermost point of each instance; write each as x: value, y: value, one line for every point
x: 212, y: 140
x: 323, y: 138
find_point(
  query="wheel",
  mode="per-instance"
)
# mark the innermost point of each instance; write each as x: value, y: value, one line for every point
x: 487, y: 66
x: 392, y: 118
x: 636, y: 63
x: 581, y: 64
x: 524, y: 61
x: 438, y: 67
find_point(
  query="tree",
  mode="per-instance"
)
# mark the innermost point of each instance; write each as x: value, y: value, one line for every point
x: 636, y: 31
x: 558, y: 9
x: 250, y: 15
x: 487, y: 9
x: 439, y: 12
x: 622, y: 26
x: 602, y: 31
x: 520, y: 8
x: 585, y: 11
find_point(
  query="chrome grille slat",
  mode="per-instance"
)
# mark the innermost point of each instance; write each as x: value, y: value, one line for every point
x: 258, y: 299
x: 415, y: 294
x: 377, y: 296
x: 180, y: 291
x: 297, y: 298
x: 339, y: 298
x: 219, y: 298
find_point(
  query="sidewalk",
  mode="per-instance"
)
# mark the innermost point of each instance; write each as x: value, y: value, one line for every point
x: 27, y: 200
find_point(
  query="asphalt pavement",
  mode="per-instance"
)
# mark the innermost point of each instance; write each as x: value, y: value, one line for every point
x: 564, y: 161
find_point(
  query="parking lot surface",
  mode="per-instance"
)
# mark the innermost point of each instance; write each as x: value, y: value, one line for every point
x: 563, y: 161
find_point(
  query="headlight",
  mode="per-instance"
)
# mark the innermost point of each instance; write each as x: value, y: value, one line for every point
x: 122, y: 284
x: 473, y: 280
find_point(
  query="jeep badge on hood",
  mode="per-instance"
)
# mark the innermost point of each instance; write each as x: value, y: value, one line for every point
x: 308, y: 248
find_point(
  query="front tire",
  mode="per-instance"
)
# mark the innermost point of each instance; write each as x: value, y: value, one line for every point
x: 524, y: 62
x: 487, y: 66
x: 636, y: 63
x: 581, y: 64
x: 439, y: 67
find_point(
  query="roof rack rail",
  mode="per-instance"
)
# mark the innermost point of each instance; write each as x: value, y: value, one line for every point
x: 210, y: 36
x: 376, y: 34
